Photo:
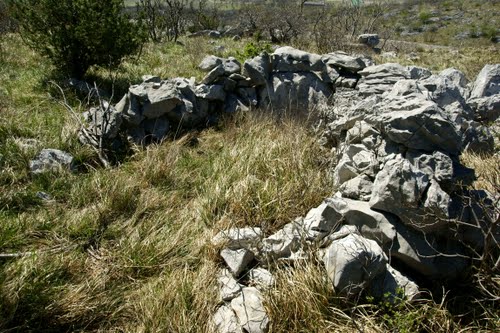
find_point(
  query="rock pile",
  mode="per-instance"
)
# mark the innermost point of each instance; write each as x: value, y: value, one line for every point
x: 403, y: 211
x: 289, y: 80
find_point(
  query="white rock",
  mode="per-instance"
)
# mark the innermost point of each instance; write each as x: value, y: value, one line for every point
x: 237, y: 260
x: 261, y: 277
x: 236, y: 238
x: 225, y: 321
x: 352, y: 262
x: 282, y: 243
x: 229, y: 288
x: 250, y: 311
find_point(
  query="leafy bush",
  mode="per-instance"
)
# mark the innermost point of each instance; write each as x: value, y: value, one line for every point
x: 77, y: 34
x: 252, y: 50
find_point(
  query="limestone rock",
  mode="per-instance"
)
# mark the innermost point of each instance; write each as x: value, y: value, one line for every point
x: 400, y: 188
x: 237, y: 238
x: 418, y: 124
x: 237, y: 260
x: 282, y: 243
x: 258, y: 69
x: 380, y: 78
x: 352, y: 262
x: 156, y: 128
x: 161, y: 99
x: 51, y: 160
x: 214, y: 74
x: 231, y: 66
x: 261, y: 278
x: 214, y: 92
x: 371, y: 40
x: 358, y: 188
x: 486, y: 109
x: 250, y: 311
x: 288, y: 59
x: 370, y: 224
x: 225, y: 321
x: 297, y: 92
x: 417, y: 73
x: 356, y: 160
x: 343, y: 61
x: 487, y: 82
x: 321, y: 220
x: 394, y: 287
x: 228, y: 286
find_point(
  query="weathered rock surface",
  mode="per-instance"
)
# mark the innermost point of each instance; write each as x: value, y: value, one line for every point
x: 380, y: 78
x: 228, y: 286
x: 237, y: 238
x: 51, y: 160
x: 225, y: 321
x: 353, y: 262
x: 237, y: 260
x: 371, y: 40
x: 250, y: 311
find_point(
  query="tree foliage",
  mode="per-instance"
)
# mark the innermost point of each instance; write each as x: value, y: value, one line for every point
x: 77, y: 34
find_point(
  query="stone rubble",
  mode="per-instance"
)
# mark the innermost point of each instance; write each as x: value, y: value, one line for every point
x: 398, y: 133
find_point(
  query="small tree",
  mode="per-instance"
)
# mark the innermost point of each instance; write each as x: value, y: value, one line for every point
x: 163, y: 18
x: 77, y: 34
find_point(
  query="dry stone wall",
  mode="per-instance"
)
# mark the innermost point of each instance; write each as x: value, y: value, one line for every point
x: 403, y: 207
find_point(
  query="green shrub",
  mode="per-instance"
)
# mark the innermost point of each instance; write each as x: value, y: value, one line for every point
x: 254, y: 49
x: 77, y: 34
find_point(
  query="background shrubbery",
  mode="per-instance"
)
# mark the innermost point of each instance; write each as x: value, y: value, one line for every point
x: 77, y: 34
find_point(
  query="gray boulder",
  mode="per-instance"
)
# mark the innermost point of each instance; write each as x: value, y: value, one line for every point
x: 288, y: 59
x: 295, y: 92
x: 371, y: 224
x: 231, y: 66
x: 400, y: 188
x: 417, y: 124
x: 258, y: 69
x: 380, y: 78
x: 157, y: 128
x: 455, y: 76
x: 282, y: 243
x: 371, y: 40
x: 214, y: 92
x: 487, y: 82
x: 356, y: 160
x: 478, y: 139
x: 214, y: 74
x: 343, y: 61
x: 321, y: 220
x: 250, y: 311
x: 261, y: 278
x: 353, y: 262
x: 417, y: 73
x: 161, y: 99
x: 51, y: 160
x: 486, y: 109
x: 103, y: 122
x: 209, y: 63
x: 358, y: 188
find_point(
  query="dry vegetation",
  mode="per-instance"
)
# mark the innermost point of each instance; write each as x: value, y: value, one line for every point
x: 126, y: 249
